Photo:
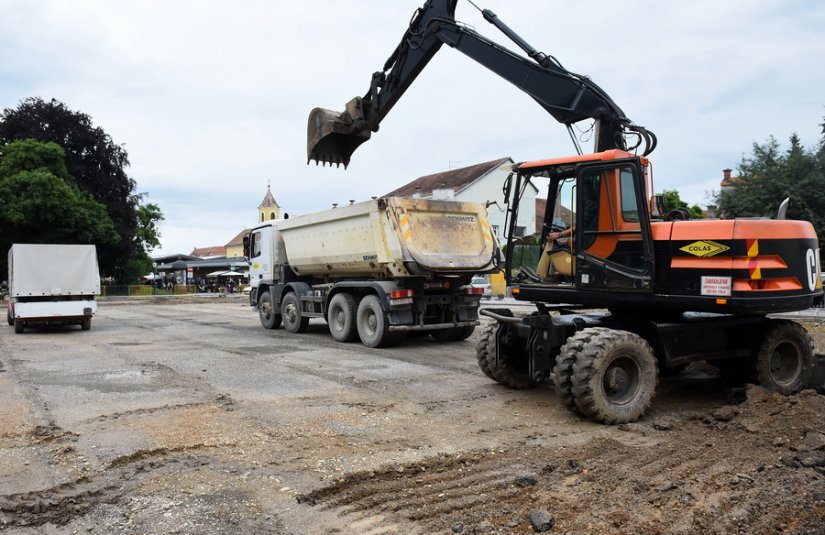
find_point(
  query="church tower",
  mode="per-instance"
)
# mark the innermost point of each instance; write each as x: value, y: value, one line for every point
x: 268, y: 208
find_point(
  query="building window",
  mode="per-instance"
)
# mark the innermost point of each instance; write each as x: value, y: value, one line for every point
x: 271, y: 215
x: 520, y: 231
x: 262, y: 217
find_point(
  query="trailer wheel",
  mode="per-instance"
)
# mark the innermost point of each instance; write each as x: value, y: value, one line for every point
x: 372, y: 324
x: 266, y: 312
x: 19, y: 326
x: 86, y: 324
x: 507, y: 371
x: 614, y: 377
x: 294, y: 321
x: 341, y: 317
x: 785, y: 358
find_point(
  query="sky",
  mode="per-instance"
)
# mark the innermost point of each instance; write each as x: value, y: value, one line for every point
x: 210, y: 98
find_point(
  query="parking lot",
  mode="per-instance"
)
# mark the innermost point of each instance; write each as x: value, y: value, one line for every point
x: 191, y: 418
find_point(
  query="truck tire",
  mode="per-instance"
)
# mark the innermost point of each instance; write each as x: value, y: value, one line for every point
x: 785, y: 358
x: 341, y: 317
x: 614, y: 376
x: 86, y: 324
x: 567, y: 357
x: 270, y: 319
x: 9, y: 317
x: 293, y: 320
x: 453, y: 334
x: 19, y: 326
x: 507, y: 371
x: 372, y: 324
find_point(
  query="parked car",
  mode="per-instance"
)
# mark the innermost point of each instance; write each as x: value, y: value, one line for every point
x: 481, y: 281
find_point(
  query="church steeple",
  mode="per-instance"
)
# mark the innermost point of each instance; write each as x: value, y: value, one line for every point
x: 268, y: 209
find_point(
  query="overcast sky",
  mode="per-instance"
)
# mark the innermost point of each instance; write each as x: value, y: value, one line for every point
x: 211, y: 98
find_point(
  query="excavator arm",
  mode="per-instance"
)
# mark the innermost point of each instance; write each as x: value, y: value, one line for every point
x: 332, y: 137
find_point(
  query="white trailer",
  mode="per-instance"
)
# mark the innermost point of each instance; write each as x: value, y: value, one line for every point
x: 52, y: 284
x: 375, y: 270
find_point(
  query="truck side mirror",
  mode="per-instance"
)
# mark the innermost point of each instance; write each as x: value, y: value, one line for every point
x: 246, y: 246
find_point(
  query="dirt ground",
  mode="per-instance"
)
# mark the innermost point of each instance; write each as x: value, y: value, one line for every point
x: 152, y: 432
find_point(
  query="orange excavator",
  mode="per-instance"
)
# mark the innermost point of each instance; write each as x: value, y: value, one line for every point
x: 622, y: 290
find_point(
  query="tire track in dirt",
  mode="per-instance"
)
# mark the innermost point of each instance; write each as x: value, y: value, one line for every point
x: 691, y: 473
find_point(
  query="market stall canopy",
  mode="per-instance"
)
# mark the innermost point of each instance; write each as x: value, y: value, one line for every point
x: 231, y: 274
x: 217, y: 273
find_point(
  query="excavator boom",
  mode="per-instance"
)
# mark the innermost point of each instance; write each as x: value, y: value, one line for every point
x: 332, y: 136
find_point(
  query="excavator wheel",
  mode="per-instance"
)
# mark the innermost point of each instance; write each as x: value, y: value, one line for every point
x: 567, y: 357
x: 506, y: 371
x: 614, y: 376
x: 785, y: 358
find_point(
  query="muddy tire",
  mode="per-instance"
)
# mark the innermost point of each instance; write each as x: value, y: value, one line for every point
x: 341, y: 317
x: 291, y: 316
x: 785, y: 358
x: 86, y: 324
x: 506, y: 371
x: 270, y: 319
x: 19, y: 326
x: 614, y: 376
x: 567, y: 357
x: 373, y: 326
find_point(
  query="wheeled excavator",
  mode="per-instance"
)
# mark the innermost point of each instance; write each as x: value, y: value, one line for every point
x: 632, y: 291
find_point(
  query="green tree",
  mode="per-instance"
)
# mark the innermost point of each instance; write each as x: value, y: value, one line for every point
x: 95, y: 162
x: 769, y: 175
x: 39, y: 202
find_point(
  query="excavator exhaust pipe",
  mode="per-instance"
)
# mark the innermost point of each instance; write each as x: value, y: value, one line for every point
x: 332, y: 136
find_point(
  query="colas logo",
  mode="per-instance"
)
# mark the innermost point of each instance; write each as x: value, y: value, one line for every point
x: 704, y: 248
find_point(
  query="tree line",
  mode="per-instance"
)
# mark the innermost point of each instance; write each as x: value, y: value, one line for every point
x: 63, y: 180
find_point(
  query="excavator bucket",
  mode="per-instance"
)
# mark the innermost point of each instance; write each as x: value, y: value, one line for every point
x: 332, y: 137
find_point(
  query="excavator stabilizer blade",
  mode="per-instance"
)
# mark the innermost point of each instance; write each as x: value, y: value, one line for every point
x: 332, y: 137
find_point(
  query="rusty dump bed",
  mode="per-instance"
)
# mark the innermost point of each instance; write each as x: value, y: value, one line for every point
x: 391, y: 237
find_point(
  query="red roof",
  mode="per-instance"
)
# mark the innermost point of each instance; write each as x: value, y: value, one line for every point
x: 238, y: 240
x: 456, y: 179
x: 203, y: 252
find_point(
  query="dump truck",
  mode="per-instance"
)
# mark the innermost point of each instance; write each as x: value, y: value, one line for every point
x: 52, y: 284
x: 375, y: 270
x: 622, y: 289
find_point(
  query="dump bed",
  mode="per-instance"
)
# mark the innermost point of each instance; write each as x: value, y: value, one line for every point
x: 53, y: 270
x: 392, y: 236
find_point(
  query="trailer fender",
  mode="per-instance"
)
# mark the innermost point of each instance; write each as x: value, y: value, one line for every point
x: 300, y: 288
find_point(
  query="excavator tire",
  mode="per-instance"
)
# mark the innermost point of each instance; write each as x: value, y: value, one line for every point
x: 614, y: 376
x: 785, y: 358
x: 567, y: 357
x: 504, y: 372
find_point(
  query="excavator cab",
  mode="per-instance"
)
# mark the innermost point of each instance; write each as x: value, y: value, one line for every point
x: 600, y: 201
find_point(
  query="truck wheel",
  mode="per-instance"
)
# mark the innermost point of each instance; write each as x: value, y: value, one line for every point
x: 372, y: 325
x: 9, y: 317
x: 614, y: 376
x: 453, y: 334
x: 294, y: 321
x: 266, y: 312
x: 341, y: 317
x: 19, y: 326
x: 86, y: 324
x: 785, y: 358
x: 510, y: 370
x: 567, y: 357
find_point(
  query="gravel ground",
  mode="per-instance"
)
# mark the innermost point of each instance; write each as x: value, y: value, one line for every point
x: 185, y: 416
